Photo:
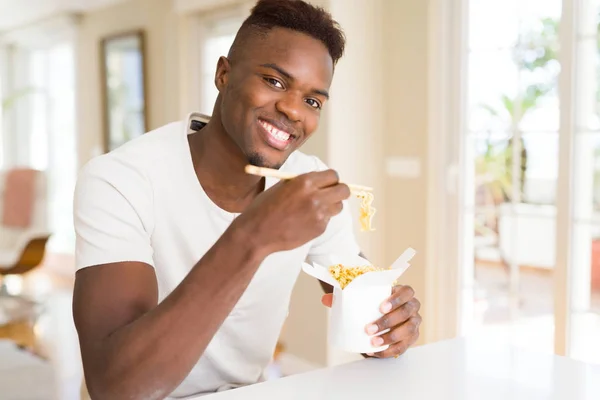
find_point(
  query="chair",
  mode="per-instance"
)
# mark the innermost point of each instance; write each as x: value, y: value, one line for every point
x: 23, y: 223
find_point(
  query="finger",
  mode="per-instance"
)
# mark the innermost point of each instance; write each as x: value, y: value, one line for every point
x: 327, y: 300
x: 332, y: 198
x: 322, y: 179
x: 400, y: 295
x: 393, y: 351
x: 399, y: 333
x: 335, y: 193
x: 335, y: 209
x: 397, y: 317
x: 397, y: 349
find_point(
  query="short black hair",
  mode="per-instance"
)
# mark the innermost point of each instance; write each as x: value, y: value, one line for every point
x: 296, y: 15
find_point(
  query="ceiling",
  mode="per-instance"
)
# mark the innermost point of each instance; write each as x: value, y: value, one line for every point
x: 18, y: 13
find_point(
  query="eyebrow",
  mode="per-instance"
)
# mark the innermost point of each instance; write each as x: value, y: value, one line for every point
x: 289, y: 76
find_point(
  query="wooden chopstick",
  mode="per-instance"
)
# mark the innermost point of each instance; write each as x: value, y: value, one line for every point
x: 274, y: 173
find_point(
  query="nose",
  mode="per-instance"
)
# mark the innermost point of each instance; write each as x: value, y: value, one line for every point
x: 291, y: 106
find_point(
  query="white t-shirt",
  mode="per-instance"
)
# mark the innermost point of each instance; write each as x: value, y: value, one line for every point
x: 143, y: 202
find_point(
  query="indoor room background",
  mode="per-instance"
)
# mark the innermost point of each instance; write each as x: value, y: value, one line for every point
x: 477, y: 122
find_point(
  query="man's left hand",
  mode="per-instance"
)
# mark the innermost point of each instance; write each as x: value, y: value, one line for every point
x: 400, y: 315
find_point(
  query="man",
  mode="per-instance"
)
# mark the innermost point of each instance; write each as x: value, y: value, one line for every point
x: 185, y: 263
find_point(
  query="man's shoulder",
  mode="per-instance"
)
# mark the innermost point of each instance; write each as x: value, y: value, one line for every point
x: 137, y: 155
x: 153, y: 143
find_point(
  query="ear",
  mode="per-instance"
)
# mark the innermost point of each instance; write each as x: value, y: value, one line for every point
x: 222, y: 73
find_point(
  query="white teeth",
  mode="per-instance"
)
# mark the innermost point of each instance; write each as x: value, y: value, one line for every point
x: 275, y: 132
x: 280, y: 135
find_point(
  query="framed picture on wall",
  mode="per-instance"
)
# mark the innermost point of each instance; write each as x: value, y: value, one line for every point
x: 123, y: 69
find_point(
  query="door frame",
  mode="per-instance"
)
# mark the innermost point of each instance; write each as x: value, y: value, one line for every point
x: 446, y: 119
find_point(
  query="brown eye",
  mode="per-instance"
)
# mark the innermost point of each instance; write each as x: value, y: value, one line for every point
x: 313, y: 103
x: 274, y: 82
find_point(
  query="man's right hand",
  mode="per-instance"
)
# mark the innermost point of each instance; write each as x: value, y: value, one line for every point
x: 293, y: 212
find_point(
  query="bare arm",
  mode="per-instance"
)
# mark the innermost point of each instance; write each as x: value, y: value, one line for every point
x: 122, y: 329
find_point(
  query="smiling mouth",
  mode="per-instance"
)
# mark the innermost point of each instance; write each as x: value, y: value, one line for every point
x: 276, y: 137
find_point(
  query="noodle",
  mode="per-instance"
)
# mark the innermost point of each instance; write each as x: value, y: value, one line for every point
x: 345, y: 275
x: 366, y: 210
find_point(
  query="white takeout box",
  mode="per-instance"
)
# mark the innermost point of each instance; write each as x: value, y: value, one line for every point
x: 359, y: 303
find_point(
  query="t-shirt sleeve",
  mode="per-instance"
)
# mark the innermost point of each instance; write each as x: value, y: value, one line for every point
x: 338, y: 237
x: 112, y: 214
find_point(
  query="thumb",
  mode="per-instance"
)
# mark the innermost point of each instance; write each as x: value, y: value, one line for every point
x: 327, y: 299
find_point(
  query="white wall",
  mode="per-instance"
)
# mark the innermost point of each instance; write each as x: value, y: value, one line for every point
x: 159, y: 21
x: 406, y: 63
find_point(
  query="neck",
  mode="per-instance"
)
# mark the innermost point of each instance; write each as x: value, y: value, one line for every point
x: 219, y: 165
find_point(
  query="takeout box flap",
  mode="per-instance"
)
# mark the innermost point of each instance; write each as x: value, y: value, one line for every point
x: 388, y: 276
x: 321, y: 273
x: 404, y: 259
x: 373, y: 278
x: 320, y: 269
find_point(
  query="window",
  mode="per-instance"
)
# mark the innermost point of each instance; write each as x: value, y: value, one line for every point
x: 218, y: 34
x: 41, y: 118
x: 583, y: 290
x: 532, y: 268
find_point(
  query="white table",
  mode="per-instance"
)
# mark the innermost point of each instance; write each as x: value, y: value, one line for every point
x: 459, y: 369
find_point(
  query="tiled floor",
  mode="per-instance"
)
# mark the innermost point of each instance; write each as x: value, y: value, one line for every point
x: 59, y: 343
x: 24, y: 376
x: 56, y: 336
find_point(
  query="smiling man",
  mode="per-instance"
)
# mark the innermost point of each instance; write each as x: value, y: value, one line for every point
x: 185, y: 263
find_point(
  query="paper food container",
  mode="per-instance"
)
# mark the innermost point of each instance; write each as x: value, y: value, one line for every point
x: 358, y: 304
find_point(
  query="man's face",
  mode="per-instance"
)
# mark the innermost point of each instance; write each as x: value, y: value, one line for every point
x: 272, y: 94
